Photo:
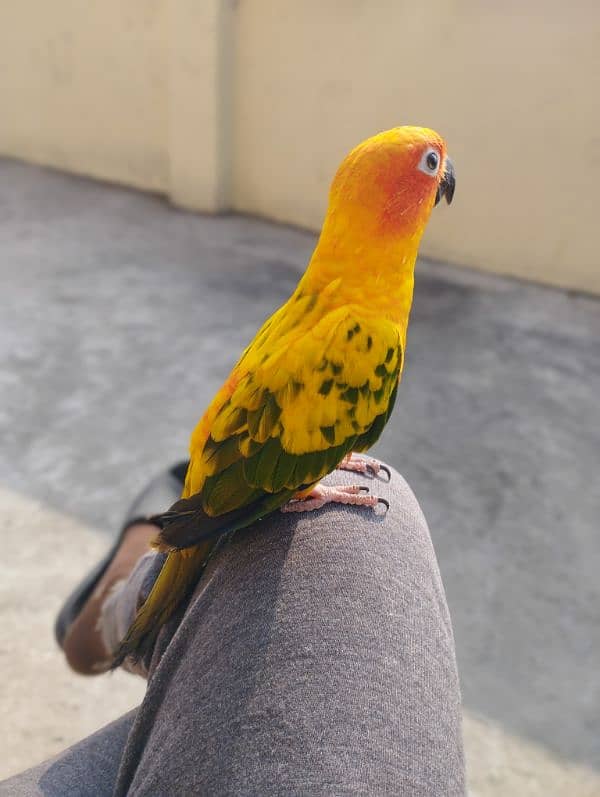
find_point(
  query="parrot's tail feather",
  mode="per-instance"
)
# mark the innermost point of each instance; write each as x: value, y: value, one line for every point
x: 186, y: 523
x: 189, y: 537
x: 176, y: 580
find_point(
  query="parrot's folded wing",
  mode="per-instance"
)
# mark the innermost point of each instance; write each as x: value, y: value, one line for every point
x: 291, y: 415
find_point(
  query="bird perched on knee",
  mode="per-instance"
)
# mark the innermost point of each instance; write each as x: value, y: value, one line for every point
x: 318, y: 382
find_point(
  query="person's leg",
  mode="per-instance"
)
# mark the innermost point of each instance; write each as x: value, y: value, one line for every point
x: 95, y: 616
x: 87, y: 769
x: 110, y: 609
x: 316, y: 658
x: 91, y: 622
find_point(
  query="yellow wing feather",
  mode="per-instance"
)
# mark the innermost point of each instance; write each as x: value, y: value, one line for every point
x: 309, y: 380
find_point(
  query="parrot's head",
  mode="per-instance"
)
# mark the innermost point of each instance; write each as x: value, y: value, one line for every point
x: 386, y: 187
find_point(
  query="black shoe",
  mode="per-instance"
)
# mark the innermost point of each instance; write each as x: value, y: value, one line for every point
x: 157, y: 497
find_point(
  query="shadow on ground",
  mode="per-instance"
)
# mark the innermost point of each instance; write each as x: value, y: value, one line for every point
x: 120, y: 316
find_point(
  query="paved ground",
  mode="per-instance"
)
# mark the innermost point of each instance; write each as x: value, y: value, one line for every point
x: 44, y: 706
x: 119, y: 317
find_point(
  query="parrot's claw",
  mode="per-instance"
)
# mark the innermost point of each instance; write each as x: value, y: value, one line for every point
x: 357, y: 495
x: 386, y: 470
x: 361, y: 464
x: 386, y: 504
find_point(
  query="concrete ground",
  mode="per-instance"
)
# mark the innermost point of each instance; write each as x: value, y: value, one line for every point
x: 119, y: 317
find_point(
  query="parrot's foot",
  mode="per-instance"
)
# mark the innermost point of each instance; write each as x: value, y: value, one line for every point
x: 361, y: 464
x: 322, y: 494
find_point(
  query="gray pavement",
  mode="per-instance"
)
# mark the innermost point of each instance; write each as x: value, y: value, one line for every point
x: 119, y: 317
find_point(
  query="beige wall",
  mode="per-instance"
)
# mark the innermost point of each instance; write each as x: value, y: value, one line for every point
x: 83, y: 87
x: 251, y: 104
x: 516, y: 94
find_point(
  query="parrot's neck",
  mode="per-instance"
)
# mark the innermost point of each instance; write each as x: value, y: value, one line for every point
x: 378, y: 276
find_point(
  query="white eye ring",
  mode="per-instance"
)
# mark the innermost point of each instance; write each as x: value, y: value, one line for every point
x: 430, y: 162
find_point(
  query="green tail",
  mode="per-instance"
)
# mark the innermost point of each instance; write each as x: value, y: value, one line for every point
x: 176, y: 580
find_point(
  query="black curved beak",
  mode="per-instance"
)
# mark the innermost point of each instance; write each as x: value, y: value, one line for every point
x: 447, y: 183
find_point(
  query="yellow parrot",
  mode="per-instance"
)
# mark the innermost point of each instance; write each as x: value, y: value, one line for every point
x: 319, y: 380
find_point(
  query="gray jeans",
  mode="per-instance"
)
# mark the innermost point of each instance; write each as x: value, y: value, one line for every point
x: 315, y: 658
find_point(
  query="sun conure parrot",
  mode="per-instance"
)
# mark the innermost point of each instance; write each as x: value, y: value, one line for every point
x: 319, y: 380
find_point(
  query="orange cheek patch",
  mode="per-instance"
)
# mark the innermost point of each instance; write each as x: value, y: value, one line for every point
x: 404, y: 194
x: 404, y: 207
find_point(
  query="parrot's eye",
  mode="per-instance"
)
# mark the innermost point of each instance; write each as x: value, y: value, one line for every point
x: 430, y: 162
